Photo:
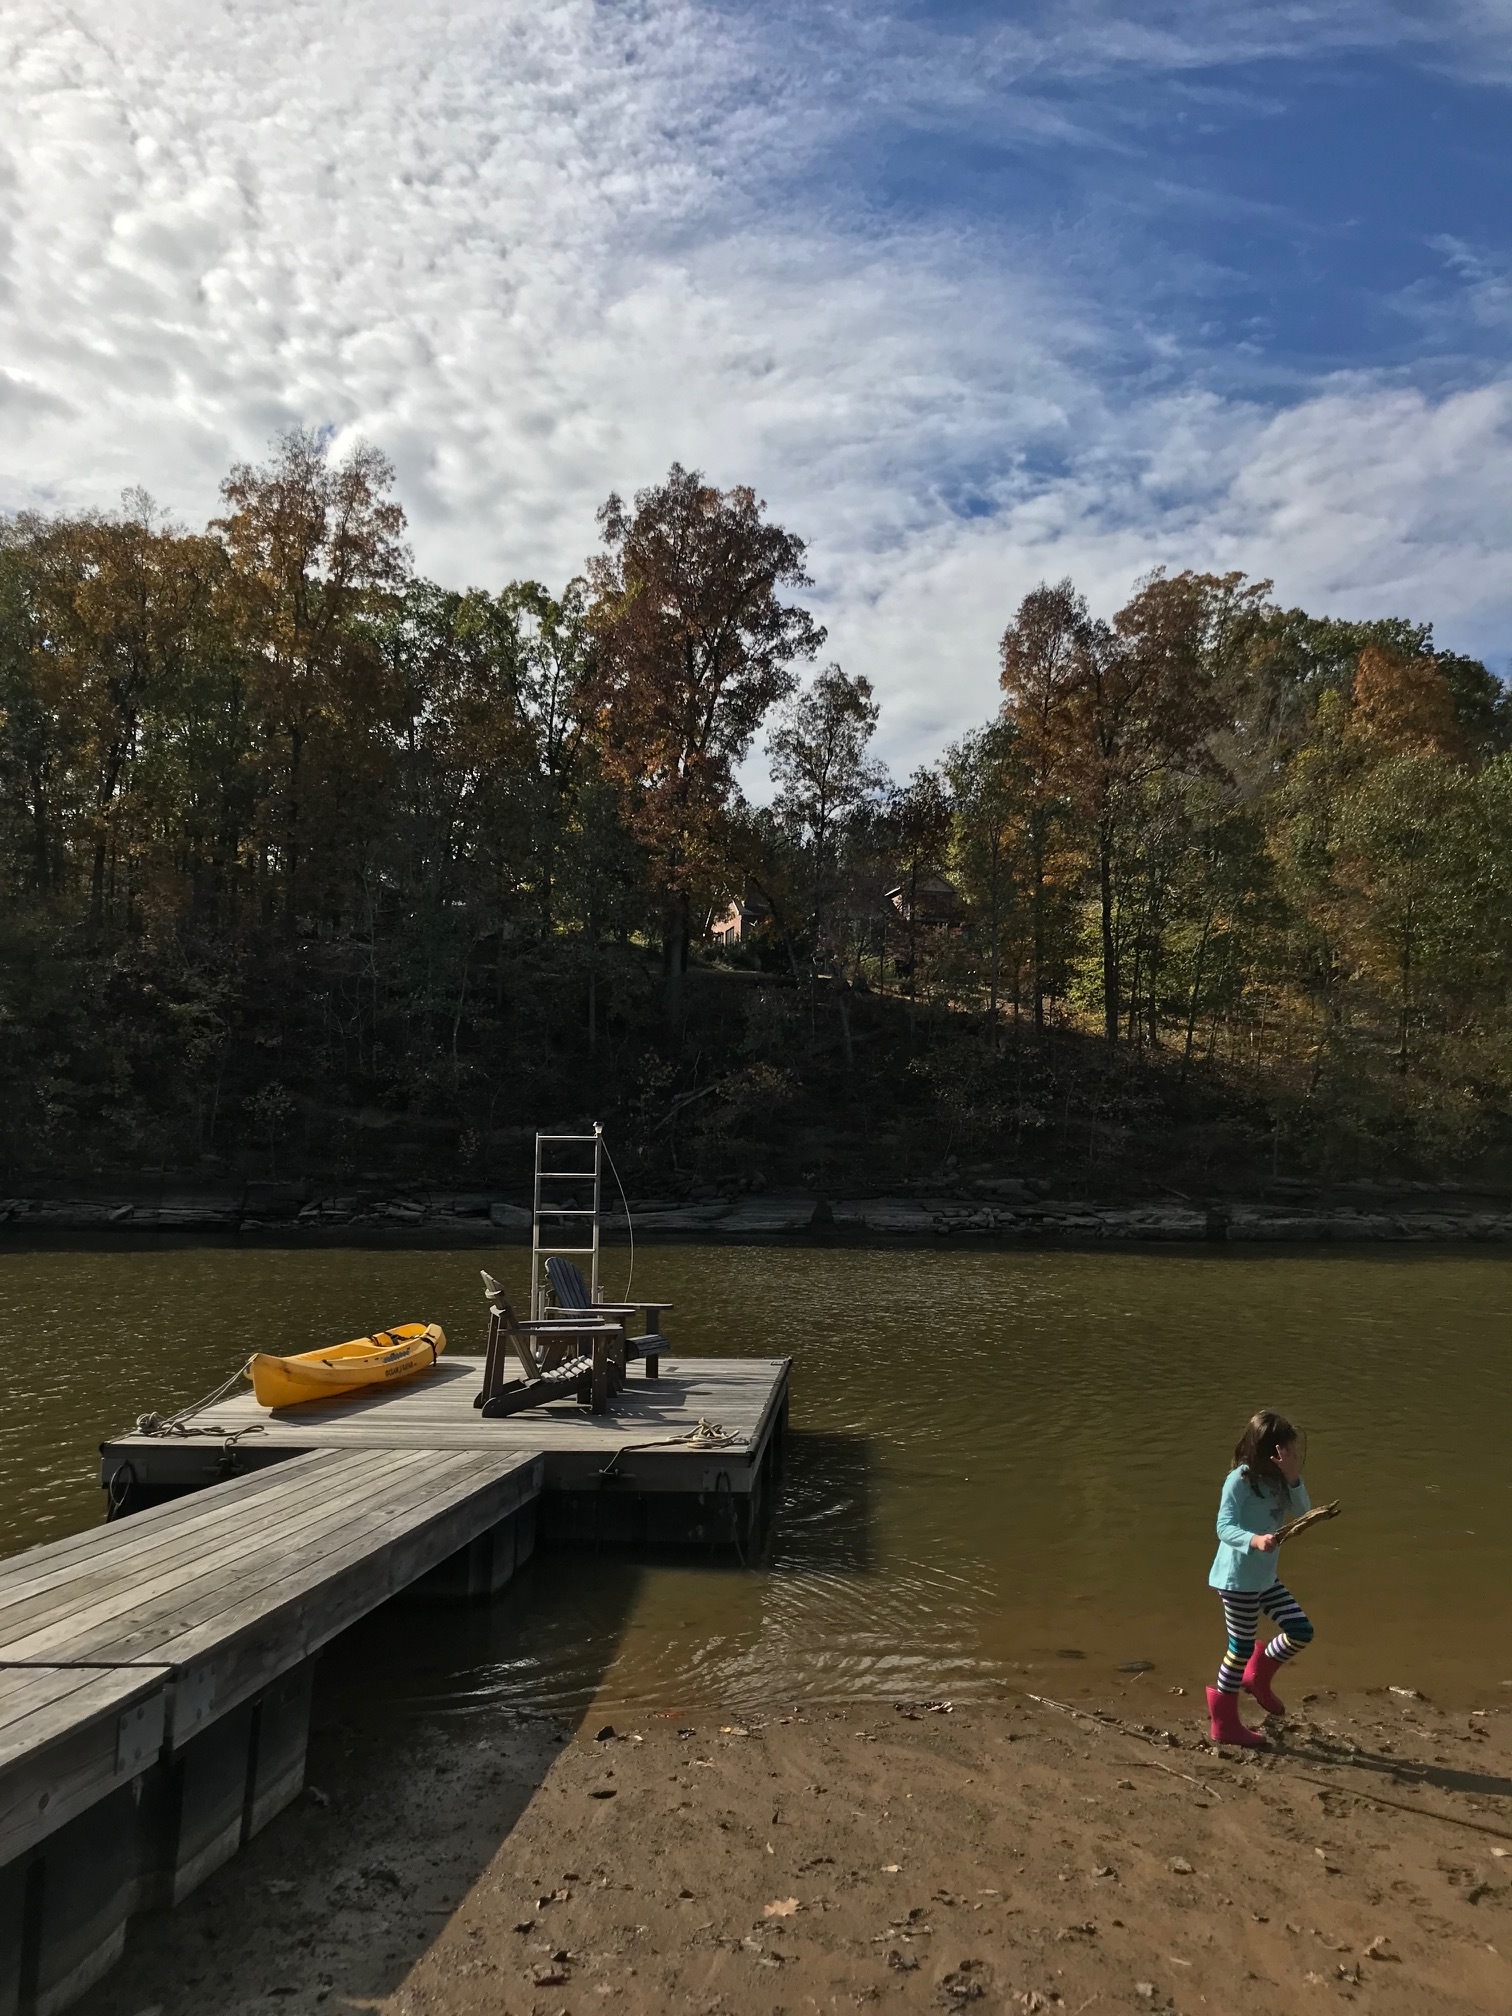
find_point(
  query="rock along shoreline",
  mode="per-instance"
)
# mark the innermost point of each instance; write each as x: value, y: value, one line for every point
x: 300, y: 1214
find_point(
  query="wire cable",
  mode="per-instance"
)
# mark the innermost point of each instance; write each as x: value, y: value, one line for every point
x: 629, y: 1221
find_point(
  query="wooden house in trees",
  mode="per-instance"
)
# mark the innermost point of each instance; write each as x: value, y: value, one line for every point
x: 930, y: 901
x: 738, y: 921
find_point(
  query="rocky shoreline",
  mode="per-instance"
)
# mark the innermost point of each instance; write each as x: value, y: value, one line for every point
x: 300, y: 1213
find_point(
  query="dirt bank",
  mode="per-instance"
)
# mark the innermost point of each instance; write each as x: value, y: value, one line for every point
x: 1009, y: 1857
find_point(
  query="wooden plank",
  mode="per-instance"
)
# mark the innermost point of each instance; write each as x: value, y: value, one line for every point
x: 234, y: 1561
x: 40, y: 1703
x: 80, y: 1610
x: 183, y: 1513
x: 227, y: 1628
x: 69, y: 1738
x: 154, y: 1552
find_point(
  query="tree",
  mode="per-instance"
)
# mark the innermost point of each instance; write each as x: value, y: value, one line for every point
x: 987, y: 786
x: 315, y: 545
x: 920, y: 816
x: 824, y: 775
x: 1403, y: 705
x: 1409, y: 842
x: 693, y: 648
x: 1041, y: 657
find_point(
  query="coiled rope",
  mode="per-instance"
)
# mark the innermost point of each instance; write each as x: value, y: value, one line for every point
x: 174, y: 1424
x: 707, y: 1435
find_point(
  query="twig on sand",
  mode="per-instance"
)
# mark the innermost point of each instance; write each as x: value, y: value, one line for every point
x: 1316, y: 1517
x: 1121, y: 1728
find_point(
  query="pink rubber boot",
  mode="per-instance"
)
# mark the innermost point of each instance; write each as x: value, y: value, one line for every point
x: 1226, y: 1727
x: 1257, y: 1681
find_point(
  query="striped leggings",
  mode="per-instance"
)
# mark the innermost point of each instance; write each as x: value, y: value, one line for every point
x: 1241, y: 1614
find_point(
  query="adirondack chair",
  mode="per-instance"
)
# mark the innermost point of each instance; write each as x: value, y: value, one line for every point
x: 573, y: 1299
x: 582, y: 1360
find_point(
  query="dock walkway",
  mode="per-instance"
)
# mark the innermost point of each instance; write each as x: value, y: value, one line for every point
x: 155, y: 1676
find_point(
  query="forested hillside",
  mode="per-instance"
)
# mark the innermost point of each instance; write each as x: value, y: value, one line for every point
x: 312, y: 866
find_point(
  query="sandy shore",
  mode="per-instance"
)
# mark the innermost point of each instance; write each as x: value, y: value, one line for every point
x: 1005, y: 1857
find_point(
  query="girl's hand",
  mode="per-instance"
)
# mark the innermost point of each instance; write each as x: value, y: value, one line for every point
x: 1265, y: 1543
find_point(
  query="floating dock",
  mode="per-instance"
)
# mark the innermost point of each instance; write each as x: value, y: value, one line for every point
x: 156, y: 1671
x: 631, y: 1474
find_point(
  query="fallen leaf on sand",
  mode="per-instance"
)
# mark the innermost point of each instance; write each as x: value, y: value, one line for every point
x: 891, y: 1868
x: 780, y: 1907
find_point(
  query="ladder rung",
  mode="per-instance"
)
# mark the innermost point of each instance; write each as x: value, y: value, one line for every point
x: 564, y: 1250
x: 568, y: 1211
x: 567, y: 1175
x: 567, y: 1137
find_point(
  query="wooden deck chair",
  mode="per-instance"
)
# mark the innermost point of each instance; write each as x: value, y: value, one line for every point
x: 559, y: 1361
x: 572, y: 1298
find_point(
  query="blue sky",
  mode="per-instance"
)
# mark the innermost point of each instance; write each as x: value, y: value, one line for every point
x: 972, y: 295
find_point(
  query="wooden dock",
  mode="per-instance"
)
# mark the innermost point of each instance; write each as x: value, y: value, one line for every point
x: 155, y: 1677
x: 631, y: 1474
x: 156, y: 1672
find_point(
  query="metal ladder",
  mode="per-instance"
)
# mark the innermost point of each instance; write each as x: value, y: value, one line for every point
x: 560, y: 1217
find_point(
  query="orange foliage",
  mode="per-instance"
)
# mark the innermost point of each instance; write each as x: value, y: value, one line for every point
x: 1403, y: 707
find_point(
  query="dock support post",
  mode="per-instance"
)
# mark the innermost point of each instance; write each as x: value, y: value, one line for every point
x: 279, y: 1741
x: 484, y: 1565
x: 63, y: 1908
x: 198, y: 1801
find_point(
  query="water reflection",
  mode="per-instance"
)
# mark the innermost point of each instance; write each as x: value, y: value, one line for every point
x: 998, y: 1458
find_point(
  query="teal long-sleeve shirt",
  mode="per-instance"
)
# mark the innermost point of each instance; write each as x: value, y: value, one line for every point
x: 1242, y: 1511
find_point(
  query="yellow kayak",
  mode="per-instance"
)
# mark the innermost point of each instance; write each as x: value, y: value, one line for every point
x: 380, y: 1360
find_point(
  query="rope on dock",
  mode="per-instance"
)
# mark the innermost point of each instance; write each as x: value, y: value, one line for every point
x: 707, y: 1435
x: 173, y: 1424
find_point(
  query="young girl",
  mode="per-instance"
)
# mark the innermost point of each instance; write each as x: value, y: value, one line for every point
x: 1263, y: 1490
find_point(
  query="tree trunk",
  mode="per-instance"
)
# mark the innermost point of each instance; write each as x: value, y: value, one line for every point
x: 843, y: 1006
x: 997, y: 950
x: 1039, y: 942
x: 1196, y: 993
x: 676, y: 937
x: 1109, y: 946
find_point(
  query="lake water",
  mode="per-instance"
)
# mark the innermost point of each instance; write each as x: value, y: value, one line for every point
x: 1003, y: 1467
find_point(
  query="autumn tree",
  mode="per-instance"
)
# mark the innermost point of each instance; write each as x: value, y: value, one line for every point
x: 315, y: 543
x: 1042, y: 659
x: 693, y: 647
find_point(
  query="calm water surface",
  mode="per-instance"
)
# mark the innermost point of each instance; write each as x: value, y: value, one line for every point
x: 1003, y: 1470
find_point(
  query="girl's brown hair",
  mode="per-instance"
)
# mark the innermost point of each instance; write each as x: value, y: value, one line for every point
x: 1255, y: 1454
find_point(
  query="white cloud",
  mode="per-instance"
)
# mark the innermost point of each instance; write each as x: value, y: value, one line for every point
x: 539, y: 248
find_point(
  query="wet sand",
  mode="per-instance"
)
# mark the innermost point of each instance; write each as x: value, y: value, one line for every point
x: 1013, y: 1856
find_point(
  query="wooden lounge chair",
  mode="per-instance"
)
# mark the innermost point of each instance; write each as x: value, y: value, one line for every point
x: 582, y: 1360
x: 573, y: 1300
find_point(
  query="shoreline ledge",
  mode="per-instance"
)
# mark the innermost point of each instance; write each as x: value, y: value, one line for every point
x: 302, y: 1214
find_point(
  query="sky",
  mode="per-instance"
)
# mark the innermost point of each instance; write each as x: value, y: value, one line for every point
x: 972, y: 295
